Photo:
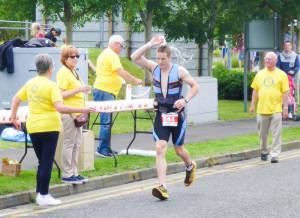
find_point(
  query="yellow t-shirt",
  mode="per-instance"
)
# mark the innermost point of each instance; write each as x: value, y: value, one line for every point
x: 66, y: 80
x: 270, y: 86
x: 107, y: 78
x: 41, y: 94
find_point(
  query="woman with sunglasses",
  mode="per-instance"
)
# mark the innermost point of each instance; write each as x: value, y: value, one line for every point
x: 43, y: 123
x: 73, y: 90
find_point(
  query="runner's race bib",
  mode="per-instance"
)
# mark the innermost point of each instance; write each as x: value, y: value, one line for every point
x: 169, y: 119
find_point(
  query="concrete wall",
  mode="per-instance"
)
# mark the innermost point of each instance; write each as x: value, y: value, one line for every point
x: 25, y: 69
x: 204, y: 106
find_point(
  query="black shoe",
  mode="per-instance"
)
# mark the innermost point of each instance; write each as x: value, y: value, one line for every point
x: 274, y: 160
x: 264, y: 157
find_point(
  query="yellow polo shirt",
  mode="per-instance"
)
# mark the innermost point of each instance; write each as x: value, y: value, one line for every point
x: 41, y: 94
x: 270, y: 86
x: 66, y: 80
x: 107, y: 78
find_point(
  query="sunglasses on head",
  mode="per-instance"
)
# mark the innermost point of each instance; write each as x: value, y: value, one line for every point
x: 74, y: 56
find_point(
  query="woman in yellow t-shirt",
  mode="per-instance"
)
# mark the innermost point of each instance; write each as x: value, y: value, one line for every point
x: 43, y: 122
x: 73, y: 90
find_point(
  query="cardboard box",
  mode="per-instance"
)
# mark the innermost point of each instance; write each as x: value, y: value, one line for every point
x: 11, y: 169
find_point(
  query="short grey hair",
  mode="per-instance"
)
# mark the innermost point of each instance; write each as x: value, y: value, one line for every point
x: 43, y: 63
x: 116, y: 38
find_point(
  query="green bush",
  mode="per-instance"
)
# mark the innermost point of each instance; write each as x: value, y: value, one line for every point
x: 234, y: 62
x: 217, y: 53
x: 230, y: 83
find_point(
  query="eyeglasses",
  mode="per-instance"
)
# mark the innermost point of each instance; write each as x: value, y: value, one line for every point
x: 123, y: 46
x: 74, y: 56
x: 268, y: 59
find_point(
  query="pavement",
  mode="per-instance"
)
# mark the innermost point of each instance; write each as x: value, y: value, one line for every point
x: 195, y: 133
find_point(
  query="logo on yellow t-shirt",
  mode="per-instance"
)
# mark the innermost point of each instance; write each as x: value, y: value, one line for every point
x: 268, y: 82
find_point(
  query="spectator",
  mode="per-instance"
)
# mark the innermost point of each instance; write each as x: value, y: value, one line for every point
x: 241, y: 50
x: 270, y: 92
x: 43, y: 122
x: 37, y: 31
x: 73, y: 91
x: 288, y: 62
x: 109, y: 79
x: 168, y: 79
x: 53, y: 33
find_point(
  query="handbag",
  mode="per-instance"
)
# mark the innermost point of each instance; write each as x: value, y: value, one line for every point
x: 81, y: 120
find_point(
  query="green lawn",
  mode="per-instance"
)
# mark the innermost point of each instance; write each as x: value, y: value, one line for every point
x: 105, y: 166
x: 10, y: 145
x: 233, y: 110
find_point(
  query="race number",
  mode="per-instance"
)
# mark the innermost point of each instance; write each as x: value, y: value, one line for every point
x: 169, y: 119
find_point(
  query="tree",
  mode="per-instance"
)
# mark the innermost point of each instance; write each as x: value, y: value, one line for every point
x: 139, y: 17
x: 193, y: 20
x: 14, y: 11
x: 74, y: 13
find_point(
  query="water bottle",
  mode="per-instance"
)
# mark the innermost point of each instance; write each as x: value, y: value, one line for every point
x: 128, y: 92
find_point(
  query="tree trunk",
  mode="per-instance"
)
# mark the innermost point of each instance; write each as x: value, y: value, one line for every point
x: 69, y: 32
x: 210, y: 56
x: 128, y: 40
x: 148, y: 31
x: 68, y: 22
x: 110, y: 23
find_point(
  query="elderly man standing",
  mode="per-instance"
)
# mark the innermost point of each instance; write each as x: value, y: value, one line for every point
x: 109, y: 79
x: 270, y: 94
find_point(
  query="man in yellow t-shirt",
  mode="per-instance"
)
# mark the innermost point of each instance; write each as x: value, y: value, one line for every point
x: 270, y: 94
x: 109, y: 79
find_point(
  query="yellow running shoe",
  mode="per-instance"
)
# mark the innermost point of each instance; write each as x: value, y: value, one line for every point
x: 190, y: 175
x: 160, y: 192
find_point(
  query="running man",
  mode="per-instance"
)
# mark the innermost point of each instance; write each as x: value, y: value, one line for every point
x: 170, y: 117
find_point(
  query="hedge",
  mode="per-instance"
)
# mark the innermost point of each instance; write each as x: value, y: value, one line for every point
x: 231, y: 83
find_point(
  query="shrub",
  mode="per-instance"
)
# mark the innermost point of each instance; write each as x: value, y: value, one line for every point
x: 217, y: 53
x: 234, y: 62
x: 231, y: 83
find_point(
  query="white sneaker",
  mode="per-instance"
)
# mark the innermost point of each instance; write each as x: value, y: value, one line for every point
x: 46, y: 200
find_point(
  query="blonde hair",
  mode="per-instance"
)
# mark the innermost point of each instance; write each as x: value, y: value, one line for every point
x: 35, y: 28
x: 66, y: 52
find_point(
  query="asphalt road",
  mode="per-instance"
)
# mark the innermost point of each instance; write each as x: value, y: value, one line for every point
x: 243, y: 189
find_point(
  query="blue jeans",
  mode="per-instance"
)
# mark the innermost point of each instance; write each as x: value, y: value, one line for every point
x: 104, y: 132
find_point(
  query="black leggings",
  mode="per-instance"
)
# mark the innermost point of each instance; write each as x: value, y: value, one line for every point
x: 44, y: 144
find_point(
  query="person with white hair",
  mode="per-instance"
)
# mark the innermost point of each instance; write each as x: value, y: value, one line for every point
x: 109, y: 79
x: 270, y: 98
